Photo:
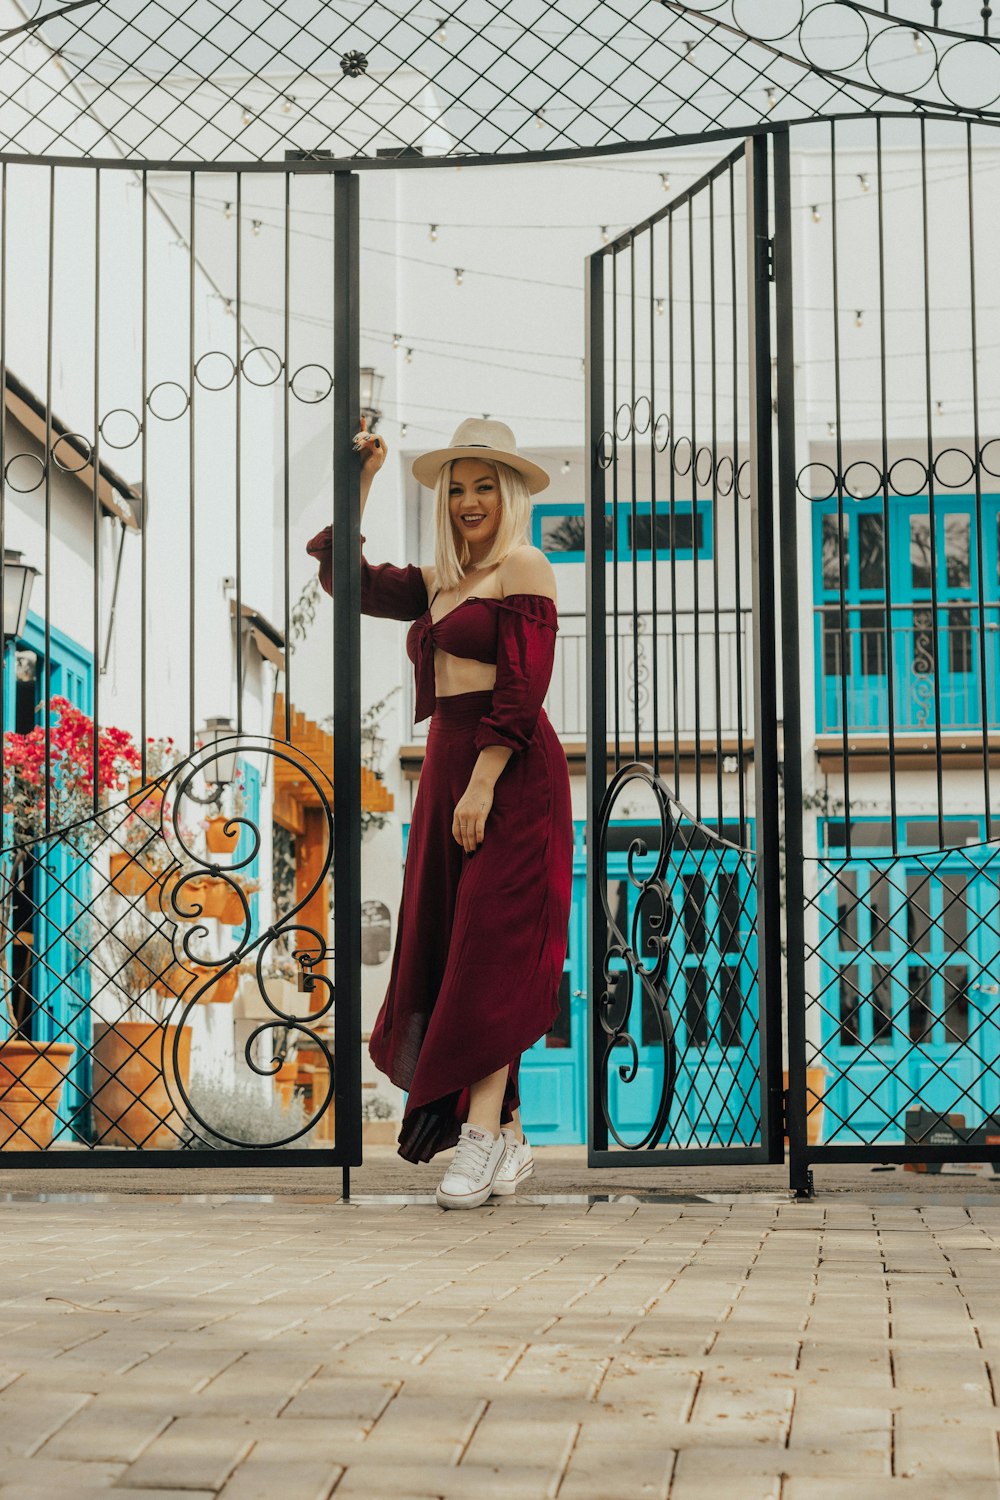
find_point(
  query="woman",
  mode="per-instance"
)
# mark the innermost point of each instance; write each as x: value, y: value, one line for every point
x: 482, y: 929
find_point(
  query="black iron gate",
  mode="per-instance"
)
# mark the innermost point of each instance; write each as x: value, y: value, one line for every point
x: 682, y: 767
x: 797, y: 839
x: 177, y: 977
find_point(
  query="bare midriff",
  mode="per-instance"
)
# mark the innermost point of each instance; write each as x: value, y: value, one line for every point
x: 459, y: 674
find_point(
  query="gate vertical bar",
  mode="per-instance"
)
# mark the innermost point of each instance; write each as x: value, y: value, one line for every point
x: 597, y: 709
x: 347, y: 674
x: 791, y: 707
x: 764, y: 639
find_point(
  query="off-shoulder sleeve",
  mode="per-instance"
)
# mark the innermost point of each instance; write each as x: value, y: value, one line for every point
x: 387, y: 591
x: 526, y: 644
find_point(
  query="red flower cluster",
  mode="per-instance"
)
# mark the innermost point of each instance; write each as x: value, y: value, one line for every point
x: 71, y: 762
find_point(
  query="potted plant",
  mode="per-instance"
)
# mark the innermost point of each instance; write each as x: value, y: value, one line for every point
x: 222, y: 833
x: 49, y: 796
x: 139, y: 1086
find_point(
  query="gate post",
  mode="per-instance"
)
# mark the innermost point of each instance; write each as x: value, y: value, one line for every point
x: 766, y: 794
x: 799, y: 1175
x: 347, y: 674
x: 597, y: 708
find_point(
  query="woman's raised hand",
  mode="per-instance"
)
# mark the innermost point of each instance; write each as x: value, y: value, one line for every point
x: 372, y: 450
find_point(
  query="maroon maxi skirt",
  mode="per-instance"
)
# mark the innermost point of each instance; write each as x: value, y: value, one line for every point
x: 481, y: 938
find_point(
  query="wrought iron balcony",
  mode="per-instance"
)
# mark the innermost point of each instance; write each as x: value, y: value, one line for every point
x: 948, y: 677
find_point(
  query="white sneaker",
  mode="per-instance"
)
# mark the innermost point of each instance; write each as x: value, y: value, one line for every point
x: 517, y: 1164
x: 469, y: 1180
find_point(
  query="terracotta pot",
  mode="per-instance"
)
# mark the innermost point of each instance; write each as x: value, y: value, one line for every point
x: 217, y: 839
x: 219, y: 899
x: 140, y: 791
x: 174, y: 980
x: 815, y: 1090
x: 129, y: 877
x: 130, y: 1101
x: 158, y: 894
x: 222, y: 991
x: 31, y: 1080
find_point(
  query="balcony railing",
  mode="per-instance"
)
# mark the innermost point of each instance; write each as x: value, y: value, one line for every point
x: 710, y: 665
x: 930, y: 676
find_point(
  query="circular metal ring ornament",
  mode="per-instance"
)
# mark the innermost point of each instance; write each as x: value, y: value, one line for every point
x: 862, y: 480
x: 908, y: 477
x: 73, y: 442
x: 704, y: 466
x: 264, y: 352
x: 110, y: 418
x: 682, y: 465
x: 954, y: 468
x: 724, y: 475
x: 23, y: 458
x: 605, y: 450
x: 315, y: 397
x: 743, y: 484
x: 661, y: 433
x: 816, y: 482
x: 216, y: 355
x: 834, y: 37
x: 623, y: 422
x: 167, y: 391
x: 893, y: 50
x: 993, y: 449
x: 768, y: 20
x: 641, y: 424
x: 968, y: 74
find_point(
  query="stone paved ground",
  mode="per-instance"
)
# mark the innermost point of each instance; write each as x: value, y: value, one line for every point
x: 294, y: 1349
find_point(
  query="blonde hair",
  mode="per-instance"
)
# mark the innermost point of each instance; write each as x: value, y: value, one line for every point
x: 450, y: 561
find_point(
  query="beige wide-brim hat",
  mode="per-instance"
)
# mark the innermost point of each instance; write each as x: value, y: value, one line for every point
x: 480, y: 438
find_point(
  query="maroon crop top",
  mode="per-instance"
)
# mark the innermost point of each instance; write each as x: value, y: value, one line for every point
x: 518, y: 633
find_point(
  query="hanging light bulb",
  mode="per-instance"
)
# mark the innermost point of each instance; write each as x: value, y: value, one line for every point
x: 441, y: 34
x: 940, y: 408
x: 459, y: 275
x: 227, y: 210
x: 289, y: 100
x: 255, y: 226
x: 403, y: 430
x: 918, y: 41
x: 604, y: 234
x: 540, y: 117
x: 816, y: 213
x: 665, y: 181
x: 229, y: 307
x: 859, y: 319
x: 433, y: 233
x: 486, y: 416
x: 688, y: 47
x: 247, y: 116
x: 409, y: 356
x: 659, y: 307
x: 565, y: 466
x: 397, y: 339
x: 772, y: 98
x: 865, y: 184
x: 830, y: 430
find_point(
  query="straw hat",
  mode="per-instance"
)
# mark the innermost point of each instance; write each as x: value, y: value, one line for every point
x: 476, y: 438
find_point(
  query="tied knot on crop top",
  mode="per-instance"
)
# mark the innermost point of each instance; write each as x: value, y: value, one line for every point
x: 517, y: 633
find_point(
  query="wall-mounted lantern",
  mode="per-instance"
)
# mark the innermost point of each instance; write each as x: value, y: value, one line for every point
x: 18, y: 577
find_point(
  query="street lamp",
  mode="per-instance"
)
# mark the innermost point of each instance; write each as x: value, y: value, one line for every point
x: 18, y: 576
x: 371, y: 390
x: 219, y: 767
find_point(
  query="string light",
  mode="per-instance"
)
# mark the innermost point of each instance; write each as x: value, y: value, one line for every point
x: 816, y: 213
x: 565, y: 466
x: 604, y: 234
x: 688, y: 47
x: 859, y: 319
x: 397, y: 339
x: 830, y: 430
x: 665, y: 180
x: 659, y: 307
x: 403, y: 430
x: 918, y: 41
x: 255, y: 226
x: 433, y: 234
x: 865, y: 184
x: 772, y: 98
x: 289, y: 100
x: 247, y: 116
x: 227, y: 211
x: 459, y: 275
x: 441, y: 34
x: 409, y: 356
x: 540, y: 117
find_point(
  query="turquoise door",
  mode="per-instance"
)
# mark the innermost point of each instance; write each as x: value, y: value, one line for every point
x: 706, y: 999
x: 60, y: 977
x: 908, y: 972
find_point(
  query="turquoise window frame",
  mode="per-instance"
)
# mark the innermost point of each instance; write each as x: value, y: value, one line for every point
x: 643, y: 508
